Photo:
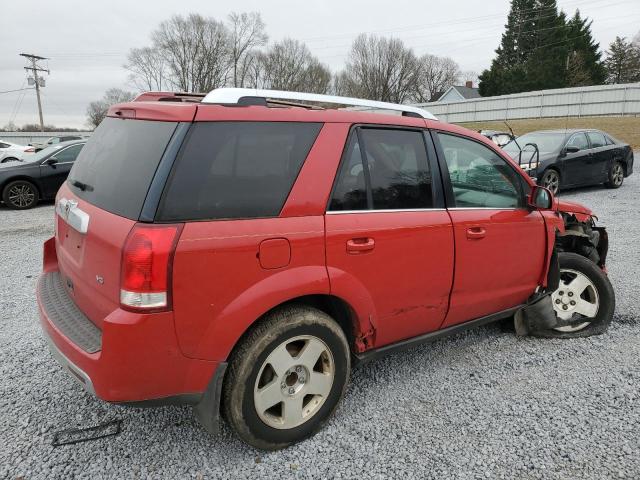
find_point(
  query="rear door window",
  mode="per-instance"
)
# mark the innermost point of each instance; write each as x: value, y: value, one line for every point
x: 236, y: 170
x: 597, y: 139
x: 115, y: 168
x: 395, y: 175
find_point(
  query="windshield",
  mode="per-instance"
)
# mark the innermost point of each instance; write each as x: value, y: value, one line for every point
x: 546, y: 142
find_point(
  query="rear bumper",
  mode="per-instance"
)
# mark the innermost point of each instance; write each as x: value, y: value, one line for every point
x: 138, y: 359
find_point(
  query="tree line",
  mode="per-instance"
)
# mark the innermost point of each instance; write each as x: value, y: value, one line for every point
x: 541, y: 48
x: 197, y: 54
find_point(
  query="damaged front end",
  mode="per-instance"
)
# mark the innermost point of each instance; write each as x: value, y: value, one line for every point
x: 581, y: 236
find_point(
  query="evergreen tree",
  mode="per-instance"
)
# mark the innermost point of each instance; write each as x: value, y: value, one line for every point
x: 582, y: 46
x: 623, y: 62
x: 541, y: 49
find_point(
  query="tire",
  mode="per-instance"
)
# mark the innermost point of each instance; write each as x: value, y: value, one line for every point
x: 9, y: 159
x: 20, y: 195
x: 615, y: 175
x: 597, y: 298
x: 269, y: 367
x: 551, y: 180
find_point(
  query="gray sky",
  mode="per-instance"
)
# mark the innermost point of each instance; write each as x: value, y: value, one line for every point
x: 87, y: 41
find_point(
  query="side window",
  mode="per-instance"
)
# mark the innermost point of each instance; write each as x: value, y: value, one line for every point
x: 236, y: 169
x: 69, y: 154
x: 350, y: 191
x: 3, y: 145
x: 397, y: 173
x: 398, y: 168
x: 578, y: 140
x: 609, y: 140
x: 480, y: 177
x: 597, y: 139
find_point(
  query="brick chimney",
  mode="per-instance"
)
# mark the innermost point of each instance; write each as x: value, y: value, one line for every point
x: 469, y: 84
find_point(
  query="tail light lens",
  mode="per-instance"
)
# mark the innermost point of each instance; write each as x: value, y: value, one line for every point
x: 30, y: 150
x: 145, y: 277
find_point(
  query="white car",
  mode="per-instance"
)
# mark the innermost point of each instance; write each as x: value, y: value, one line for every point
x: 12, y: 152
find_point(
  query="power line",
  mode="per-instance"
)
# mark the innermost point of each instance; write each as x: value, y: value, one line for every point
x: 17, y: 90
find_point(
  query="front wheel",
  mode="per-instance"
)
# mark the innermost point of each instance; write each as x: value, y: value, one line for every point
x: 551, y: 180
x: 286, y: 377
x: 616, y: 175
x: 585, y: 298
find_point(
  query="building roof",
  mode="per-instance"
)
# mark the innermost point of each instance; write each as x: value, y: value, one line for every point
x: 465, y: 92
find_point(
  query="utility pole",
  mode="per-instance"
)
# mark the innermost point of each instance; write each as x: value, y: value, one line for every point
x: 35, y: 68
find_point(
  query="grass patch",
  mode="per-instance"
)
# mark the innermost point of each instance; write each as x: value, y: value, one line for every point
x: 626, y: 129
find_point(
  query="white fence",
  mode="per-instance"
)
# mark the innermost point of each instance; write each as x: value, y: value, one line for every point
x: 613, y: 100
x: 25, y: 138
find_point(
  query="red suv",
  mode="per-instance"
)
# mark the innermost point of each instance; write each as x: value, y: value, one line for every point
x: 240, y: 253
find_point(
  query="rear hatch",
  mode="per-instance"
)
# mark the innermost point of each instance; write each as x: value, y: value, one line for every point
x: 100, y: 203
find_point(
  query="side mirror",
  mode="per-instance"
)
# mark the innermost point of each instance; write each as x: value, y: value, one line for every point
x: 541, y: 198
x: 51, y: 161
x: 571, y: 149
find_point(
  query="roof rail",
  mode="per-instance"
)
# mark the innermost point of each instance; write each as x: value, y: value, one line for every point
x: 249, y: 96
x: 169, y: 97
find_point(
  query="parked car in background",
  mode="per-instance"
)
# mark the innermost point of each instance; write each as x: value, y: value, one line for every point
x: 241, y: 257
x: 497, y: 137
x: 560, y: 159
x: 55, y: 140
x: 39, y: 176
x: 12, y: 152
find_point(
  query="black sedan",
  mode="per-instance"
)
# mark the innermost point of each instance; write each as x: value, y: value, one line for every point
x: 39, y: 176
x: 560, y: 159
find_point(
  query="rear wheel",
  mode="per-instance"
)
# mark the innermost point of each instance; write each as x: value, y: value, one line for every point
x: 286, y: 378
x: 616, y: 175
x: 551, y: 180
x: 20, y: 195
x: 585, y: 297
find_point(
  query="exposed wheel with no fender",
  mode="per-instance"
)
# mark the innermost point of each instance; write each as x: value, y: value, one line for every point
x: 585, y: 296
x: 286, y: 377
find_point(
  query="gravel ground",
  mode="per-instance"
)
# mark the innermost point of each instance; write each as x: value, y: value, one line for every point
x: 483, y: 404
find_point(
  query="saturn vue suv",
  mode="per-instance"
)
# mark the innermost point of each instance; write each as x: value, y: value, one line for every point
x: 240, y: 252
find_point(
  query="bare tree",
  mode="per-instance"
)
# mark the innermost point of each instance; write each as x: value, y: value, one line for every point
x: 96, y: 111
x: 434, y: 75
x: 246, y: 34
x: 289, y: 65
x: 379, y: 68
x: 197, y: 52
x: 147, y: 68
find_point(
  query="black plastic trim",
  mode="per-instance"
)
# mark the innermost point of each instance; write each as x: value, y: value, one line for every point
x: 154, y: 194
x: 432, y: 336
x: 207, y: 410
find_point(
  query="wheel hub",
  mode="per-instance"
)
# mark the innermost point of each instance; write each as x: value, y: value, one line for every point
x: 575, y: 298
x: 294, y: 380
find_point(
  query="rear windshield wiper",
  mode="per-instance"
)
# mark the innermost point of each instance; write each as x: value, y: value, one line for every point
x: 82, y: 186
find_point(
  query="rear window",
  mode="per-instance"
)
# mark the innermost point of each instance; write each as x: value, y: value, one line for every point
x: 236, y: 170
x: 115, y: 168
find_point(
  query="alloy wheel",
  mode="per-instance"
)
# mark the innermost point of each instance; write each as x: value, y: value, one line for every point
x: 552, y: 181
x: 21, y: 195
x: 294, y: 382
x: 575, y: 298
x: 617, y: 176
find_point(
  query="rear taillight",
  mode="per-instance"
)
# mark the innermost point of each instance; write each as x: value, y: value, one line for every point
x: 30, y: 150
x: 145, y: 278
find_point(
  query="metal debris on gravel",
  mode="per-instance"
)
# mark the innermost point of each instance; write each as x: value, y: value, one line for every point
x: 482, y: 404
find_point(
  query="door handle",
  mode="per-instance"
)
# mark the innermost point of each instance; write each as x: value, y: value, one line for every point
x: 476, y: 233
x: 360, y: 245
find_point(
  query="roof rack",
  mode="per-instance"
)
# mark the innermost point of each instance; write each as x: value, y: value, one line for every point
x: 256, y: 96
